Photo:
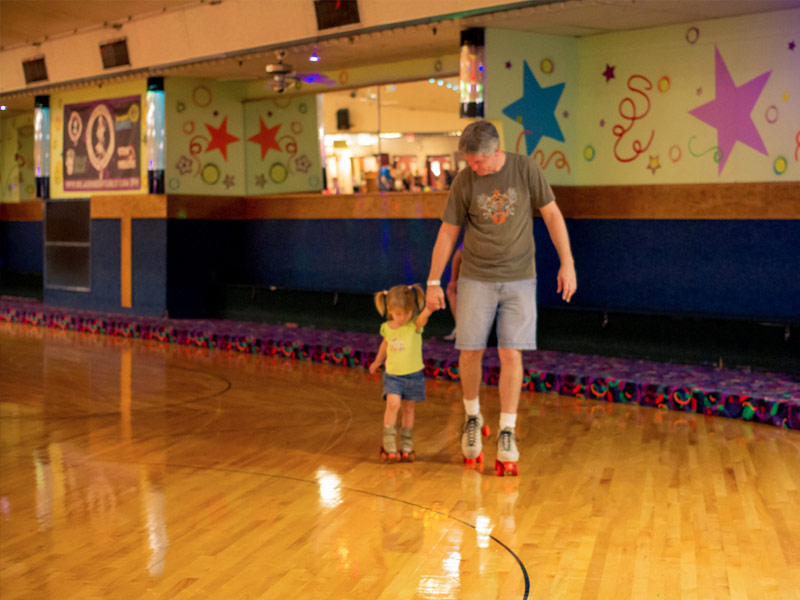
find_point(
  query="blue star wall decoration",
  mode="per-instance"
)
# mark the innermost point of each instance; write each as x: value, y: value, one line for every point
x: 536, y: 110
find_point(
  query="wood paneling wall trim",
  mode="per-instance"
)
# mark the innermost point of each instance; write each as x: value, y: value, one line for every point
x: 765, y: 200
x: 30, y: 210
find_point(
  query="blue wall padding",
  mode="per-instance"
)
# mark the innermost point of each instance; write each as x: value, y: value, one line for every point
x: 732, y: 268
x: 21, y: 246
x: 718, y: 268
x: 148, y: 264
x: 360, y: 256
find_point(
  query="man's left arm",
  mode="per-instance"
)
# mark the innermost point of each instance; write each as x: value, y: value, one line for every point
x: 557, y: 228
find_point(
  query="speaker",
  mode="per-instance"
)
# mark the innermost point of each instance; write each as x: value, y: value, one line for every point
x: 115, y: 54
x: 343, y: 118
x: 34, y: 69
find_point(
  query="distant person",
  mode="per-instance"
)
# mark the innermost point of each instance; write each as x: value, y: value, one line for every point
x: 496, y: 198
x: 404, y: 379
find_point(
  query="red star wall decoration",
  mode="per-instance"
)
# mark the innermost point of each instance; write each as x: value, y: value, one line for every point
x: 266, y: 138
x: 220, y: 138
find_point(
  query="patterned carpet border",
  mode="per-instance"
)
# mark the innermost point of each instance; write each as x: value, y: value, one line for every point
x: 768, y: 398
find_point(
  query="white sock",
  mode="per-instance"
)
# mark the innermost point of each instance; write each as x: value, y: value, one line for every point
x: 508, y: 420
x: 472, y: 407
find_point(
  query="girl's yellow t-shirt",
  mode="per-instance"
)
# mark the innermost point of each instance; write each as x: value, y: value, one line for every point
x: 403, y: 349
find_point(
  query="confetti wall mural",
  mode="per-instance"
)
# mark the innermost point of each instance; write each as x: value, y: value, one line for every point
x: 531, y: 83
x: 205, y: 138
x: 220, y: 145
x: 17, y: 179
x: 715, y: 101
x: 282, y: 152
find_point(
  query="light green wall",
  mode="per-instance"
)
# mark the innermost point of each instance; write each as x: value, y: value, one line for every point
x: 679, y: 62
x: 660, y: 75
x: 205, y: 137
x: 17, y: 176
x: 283, y: 149
x: 215, y: 141
x: 552, y: 61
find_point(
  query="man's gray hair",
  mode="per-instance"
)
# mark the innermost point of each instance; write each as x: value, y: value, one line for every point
x: 479, y: 137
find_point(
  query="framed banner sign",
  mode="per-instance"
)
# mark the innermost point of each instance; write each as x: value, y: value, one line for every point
x: 101, y: 145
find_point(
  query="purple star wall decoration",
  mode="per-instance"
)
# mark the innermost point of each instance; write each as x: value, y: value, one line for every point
x: 729, y: 111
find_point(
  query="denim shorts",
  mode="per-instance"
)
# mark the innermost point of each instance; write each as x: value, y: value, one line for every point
x: 408, y: 387
x: 512, y: 302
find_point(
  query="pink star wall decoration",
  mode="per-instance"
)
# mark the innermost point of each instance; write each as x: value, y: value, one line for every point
x: 729, y: 111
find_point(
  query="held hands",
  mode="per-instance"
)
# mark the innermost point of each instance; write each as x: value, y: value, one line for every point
x: 567, y: 281
x: 434, y: 298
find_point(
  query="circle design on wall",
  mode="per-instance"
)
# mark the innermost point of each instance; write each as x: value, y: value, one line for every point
x: 174, y: 184
x: 547, y: 66
x: 188, y: 127
x: 771, y: 114
x: 210, y: 173
x: 302, y: 107
x: 201, y: 96
x: 437, y: 66
x: 692, y: 35
x: 180, y: 107
x: 344, y: 77
x: 672, y: 156
x: 589, y: 153
x: 664, y: 84
x: 781, y: 164
x: 297, y: 127
x: 101, y: 153
x: 74, y: 127
x: 278, y: 173
x: 313, y: 181
x: 133, y: 113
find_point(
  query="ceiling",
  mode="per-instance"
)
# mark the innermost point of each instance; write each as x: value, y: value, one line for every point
x: 24, y: 22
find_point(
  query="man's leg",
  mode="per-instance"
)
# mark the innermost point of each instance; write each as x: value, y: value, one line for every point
x: 470, y: 370
x: 510, y: 383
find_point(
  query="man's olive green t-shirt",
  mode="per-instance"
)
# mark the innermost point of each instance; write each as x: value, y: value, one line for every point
x: 498, y: 212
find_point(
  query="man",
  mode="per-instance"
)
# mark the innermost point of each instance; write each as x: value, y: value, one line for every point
x: 495, y: 197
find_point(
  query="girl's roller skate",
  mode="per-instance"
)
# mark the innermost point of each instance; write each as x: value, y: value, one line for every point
x: 507, y: 453
x: 389, y: 447
x: 471, y: 443
x: 407, y: 444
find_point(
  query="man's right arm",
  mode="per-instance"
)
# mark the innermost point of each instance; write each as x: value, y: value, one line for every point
x: 442, y: 249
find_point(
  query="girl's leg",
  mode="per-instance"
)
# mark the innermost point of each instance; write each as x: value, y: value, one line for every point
x: 392, y: 406
x: 407, y: 407
x: 407, y: 431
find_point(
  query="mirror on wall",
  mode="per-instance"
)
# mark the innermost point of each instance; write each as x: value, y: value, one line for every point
x: 392, y: 137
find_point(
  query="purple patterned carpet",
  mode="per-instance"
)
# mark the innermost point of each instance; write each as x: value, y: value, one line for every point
x: 769, y: 398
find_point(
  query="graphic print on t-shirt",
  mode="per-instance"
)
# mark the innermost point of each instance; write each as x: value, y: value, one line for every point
x: 396, y: 345
x: 498, y: 206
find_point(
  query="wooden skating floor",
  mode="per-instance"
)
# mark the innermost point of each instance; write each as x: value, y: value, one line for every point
x: 135, y: 469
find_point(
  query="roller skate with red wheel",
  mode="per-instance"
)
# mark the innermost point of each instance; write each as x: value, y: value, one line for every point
x: 471, y: 443
x: 389, y: 447
x: 407, y: 445
x: 507, y: 454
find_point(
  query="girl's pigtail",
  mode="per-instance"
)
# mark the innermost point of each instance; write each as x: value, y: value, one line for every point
x: 380, y: 302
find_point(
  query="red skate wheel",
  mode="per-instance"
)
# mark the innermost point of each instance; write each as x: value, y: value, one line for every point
x: 506, y: 468
x: 485, y: 431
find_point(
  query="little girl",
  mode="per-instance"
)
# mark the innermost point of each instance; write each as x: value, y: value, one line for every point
x: 404, y: 379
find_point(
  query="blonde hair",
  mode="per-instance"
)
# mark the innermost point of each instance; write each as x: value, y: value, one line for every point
x: 407, y: 297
